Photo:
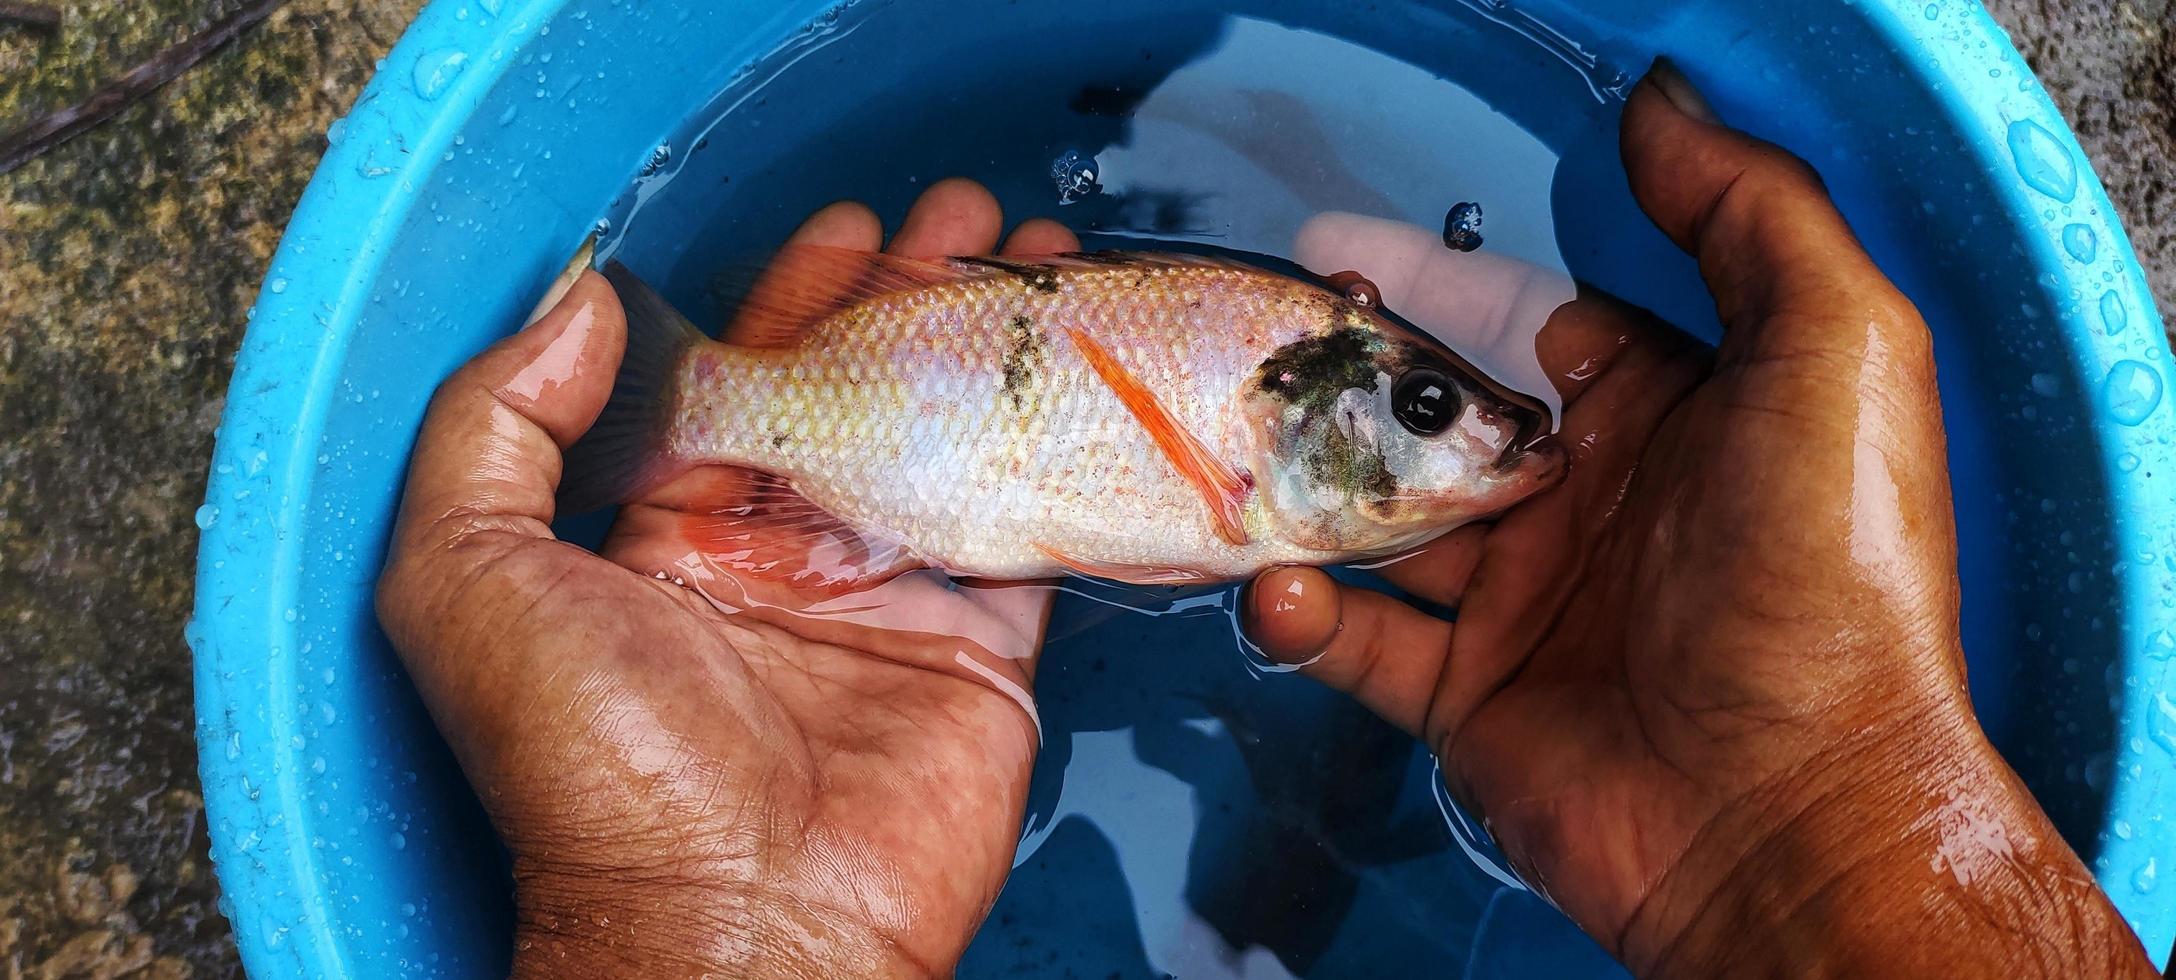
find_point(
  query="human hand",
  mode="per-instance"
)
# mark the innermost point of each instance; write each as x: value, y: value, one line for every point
x: 1708, y: 695
x: 785, y: 787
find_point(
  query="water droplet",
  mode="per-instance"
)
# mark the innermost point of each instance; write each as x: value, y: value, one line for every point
x: 277, y: 285
x: 407, y: 908
x: 2113, y: 314
x: 2161, y: 645
x: 317, y: 765
x: 2146, y: 878
x: 369, y: 168
x: 2133, y: 391
x: 234, y: 745
x: 2122, y: 829
x: 2127, y: 462
x: 1934, y: 12
x: 2081, y: 243
x: 2043, y: 161
x: 338, y: 129
x: 398, y: 840
x: 2047, y: 384
x: 290, y: 615
x: 437, y: 69
x: 507, y: 115
x: 2161, y: 723
x: 206, y: 516
x: 490, y: 6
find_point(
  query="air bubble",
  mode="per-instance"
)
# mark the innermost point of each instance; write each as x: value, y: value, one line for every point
x: 658, y: 158
x: 1076, y: 176
x: 2127, y: 462
x: 1462, y: 227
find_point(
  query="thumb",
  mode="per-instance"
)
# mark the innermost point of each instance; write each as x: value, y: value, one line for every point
x: 1771, y: 243
x: 489, y: 450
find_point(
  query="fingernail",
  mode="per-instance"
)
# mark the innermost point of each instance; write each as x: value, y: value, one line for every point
x: 584, y: 258
x: 1679, y: 90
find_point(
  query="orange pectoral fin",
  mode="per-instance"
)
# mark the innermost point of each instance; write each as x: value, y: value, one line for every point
x: 766, y: 530
x: 1222, y: 488
x: 1120, y: 572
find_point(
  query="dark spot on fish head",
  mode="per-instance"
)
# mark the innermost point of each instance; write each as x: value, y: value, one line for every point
x: 1311, y: 373
x: 1344, y: 469
x: 779, y: 441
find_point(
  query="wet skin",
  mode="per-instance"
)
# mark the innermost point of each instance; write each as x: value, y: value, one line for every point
x: 1708, y: 689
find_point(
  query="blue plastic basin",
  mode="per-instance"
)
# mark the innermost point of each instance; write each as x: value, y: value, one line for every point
x: 347, y: 843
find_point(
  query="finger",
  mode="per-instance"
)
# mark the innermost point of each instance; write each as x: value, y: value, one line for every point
x: 954, y: 216
x: 1389, y: 656
x: 1439, y: 570
x: 1525, y: 325
x: 1773, y: 248
x: 489, y: 449
x: 1041, y: 236
x: 844, y: 224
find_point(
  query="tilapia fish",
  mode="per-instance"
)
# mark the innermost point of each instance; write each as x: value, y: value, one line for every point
x: 1149, y: 418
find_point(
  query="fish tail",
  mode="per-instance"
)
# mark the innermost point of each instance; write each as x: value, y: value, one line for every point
x: 625, y: 452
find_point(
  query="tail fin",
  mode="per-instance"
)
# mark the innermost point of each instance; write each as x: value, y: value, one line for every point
x: 624, y: 453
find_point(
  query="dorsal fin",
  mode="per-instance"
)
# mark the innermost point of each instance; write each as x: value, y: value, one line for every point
x: 805, y: 284
x: 1223, y: 489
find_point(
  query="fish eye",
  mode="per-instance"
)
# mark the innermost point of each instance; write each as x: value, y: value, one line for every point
x: 1424, y: 401
x: 1357, y: 290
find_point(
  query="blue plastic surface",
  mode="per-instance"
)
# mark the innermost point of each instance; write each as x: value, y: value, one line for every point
x: 346, y: 842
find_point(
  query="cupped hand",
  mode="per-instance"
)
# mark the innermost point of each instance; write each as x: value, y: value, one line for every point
x: 695, y: 773
x: 1708, y: 694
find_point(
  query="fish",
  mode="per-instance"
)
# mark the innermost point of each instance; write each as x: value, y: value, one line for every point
x: 1148, y: 418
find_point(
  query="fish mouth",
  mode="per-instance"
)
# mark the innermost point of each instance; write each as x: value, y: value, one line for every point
x: 1531, y: 438
x: 1535, y: 451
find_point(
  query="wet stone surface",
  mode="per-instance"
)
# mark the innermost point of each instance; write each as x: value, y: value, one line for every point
x: 128, y: 260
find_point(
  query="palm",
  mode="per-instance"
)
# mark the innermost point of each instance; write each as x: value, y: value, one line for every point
x: 1671, y: 629
x: 1676, y: 626
x: 860, y: 763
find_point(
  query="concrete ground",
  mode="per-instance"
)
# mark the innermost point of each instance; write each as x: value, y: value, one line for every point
x: 128, y: 259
